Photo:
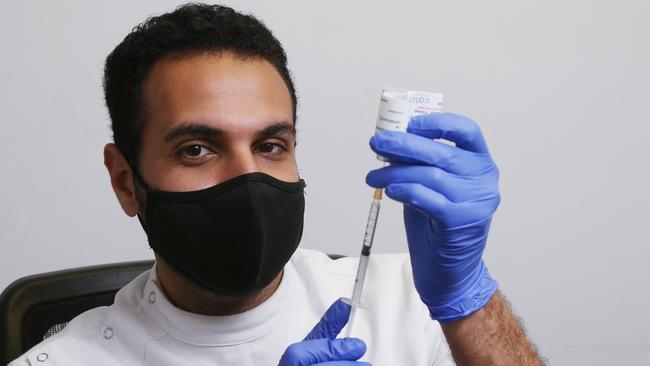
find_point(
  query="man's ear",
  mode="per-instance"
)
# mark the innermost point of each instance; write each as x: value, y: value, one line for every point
x: 121, y: 179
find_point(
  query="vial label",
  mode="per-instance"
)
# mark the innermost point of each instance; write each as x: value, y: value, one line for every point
x: 423, y: 103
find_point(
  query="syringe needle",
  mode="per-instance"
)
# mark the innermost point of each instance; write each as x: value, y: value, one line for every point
x: 365, y: 255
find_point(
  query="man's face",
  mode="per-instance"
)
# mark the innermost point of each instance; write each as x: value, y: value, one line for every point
x: 209, y: 118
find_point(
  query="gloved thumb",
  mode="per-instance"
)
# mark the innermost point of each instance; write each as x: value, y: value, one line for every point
x: 332, y: 322
x: 323, y: 351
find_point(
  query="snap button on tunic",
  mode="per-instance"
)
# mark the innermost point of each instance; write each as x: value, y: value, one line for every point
x: 108, y: 333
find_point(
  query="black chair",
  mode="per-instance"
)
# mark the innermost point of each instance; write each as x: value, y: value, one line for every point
x: 36, y: 307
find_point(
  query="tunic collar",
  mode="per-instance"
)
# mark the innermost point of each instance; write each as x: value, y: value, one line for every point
x: 203, y: 330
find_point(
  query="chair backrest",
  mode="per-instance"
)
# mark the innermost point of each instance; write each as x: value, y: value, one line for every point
x: 36, y: 307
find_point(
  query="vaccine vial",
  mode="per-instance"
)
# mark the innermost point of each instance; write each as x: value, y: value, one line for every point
x: 397, y: 106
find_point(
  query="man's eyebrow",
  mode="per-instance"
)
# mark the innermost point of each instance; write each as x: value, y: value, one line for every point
x: 193, y: 129
x: 280, y: 128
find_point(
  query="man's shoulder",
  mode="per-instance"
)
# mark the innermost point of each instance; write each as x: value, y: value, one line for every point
x: 78, y: 335
x: 85, y: 339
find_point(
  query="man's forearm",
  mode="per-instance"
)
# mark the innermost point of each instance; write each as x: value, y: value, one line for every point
x: 490, y: 336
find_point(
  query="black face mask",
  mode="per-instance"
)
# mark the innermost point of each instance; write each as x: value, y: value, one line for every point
x: 233, y: 238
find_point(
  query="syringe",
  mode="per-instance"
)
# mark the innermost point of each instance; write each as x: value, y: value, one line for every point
x: 365, y: 255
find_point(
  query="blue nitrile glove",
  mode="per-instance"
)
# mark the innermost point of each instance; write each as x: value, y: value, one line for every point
x: 321, y: 347
x: 450, y: 194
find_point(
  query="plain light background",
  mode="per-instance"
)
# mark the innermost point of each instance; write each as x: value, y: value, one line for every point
x: 560, y: 88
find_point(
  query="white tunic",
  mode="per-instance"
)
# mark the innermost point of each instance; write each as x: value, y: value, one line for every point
x: 143, y: 328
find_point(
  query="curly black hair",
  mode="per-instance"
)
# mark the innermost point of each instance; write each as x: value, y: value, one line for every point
x: 189, y: 29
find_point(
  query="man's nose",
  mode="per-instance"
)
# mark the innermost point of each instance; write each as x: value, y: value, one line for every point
x: 242, y: 161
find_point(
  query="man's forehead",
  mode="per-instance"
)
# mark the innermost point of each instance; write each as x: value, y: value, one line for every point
x: 227, y: 93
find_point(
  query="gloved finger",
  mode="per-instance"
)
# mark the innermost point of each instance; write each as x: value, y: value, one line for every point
x: 332, y: 322
x: 409, y: 148
x: 454, y: 188
x: 344, y: 363
x: 464, y: 132
x: 315, y: 351
x: 431, y: 202
x: 426, y: 200
x: 445, y: 213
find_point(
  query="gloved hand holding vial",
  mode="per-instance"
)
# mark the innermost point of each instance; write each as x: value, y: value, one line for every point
x: 449, y: 194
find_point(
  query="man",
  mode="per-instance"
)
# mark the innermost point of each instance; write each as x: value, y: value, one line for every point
x: 203, y: 113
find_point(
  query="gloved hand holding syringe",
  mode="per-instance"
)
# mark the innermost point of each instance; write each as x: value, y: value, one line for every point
x: 396, y: 107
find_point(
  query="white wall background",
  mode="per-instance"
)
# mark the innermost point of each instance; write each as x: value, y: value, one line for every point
x: 560, y: 88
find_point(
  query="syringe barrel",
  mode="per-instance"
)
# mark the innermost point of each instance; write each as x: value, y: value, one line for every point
x: 370, y: 226
x: 358, y: 282
x: 365, y: 251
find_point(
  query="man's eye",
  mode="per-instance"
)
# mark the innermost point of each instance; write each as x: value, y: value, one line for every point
x: 195, y: 151
x: 269, y: 148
